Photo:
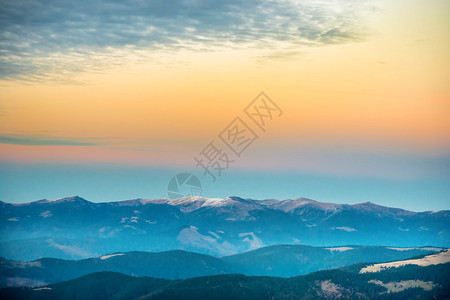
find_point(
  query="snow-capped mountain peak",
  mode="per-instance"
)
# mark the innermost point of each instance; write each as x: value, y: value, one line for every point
x: 196, y: 222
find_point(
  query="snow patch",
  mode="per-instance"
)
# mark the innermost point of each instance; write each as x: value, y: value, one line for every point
x: 129, y: 226
x: 13, y: 220
x: 339, y: 249
x: 110, y: 255
x: 217, y: 202
x: 344, y: 228
x: 431, y: 249
x: 46, y: 214
x: 214, y: 234
x: 103, y: 229
x: 415, y: 248
x: 402, y: 249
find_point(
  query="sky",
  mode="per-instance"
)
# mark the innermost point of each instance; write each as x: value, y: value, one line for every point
x: 110, y: 100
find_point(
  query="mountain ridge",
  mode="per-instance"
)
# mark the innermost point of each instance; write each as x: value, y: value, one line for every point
x: 279, y: 260
x: 192, y: 199
x: 414, y: 282
x: 66, y: 227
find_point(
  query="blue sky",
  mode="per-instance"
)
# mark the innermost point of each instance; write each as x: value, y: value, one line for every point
x: 24, y: 183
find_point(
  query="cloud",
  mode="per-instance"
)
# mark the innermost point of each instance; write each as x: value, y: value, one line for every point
x: 73, y: 251
x: 39, y: 140
x: 45, y: 38
x: 280, y: 55
x: 344, y: 228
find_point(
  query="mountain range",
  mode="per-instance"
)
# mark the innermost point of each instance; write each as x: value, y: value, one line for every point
x: 74, y: 228
x: 421, y: 278
x: 280, y: 260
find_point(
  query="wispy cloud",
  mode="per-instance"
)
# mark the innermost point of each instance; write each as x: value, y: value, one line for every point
x: 48, y: 141
x: 280, y: 55
x: 44, y: 38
